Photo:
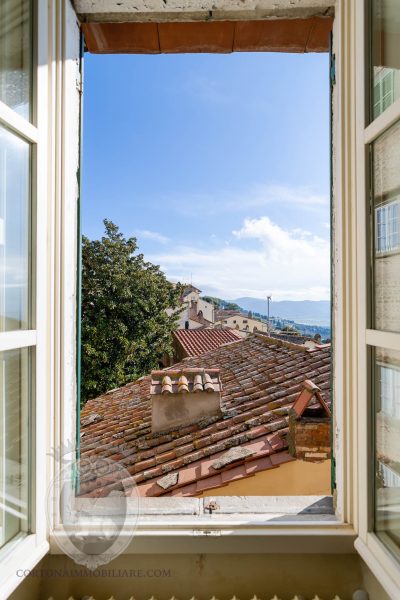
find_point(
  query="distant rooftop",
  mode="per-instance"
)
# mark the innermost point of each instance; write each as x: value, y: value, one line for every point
x: 194, y: 342
x: 190, y: 288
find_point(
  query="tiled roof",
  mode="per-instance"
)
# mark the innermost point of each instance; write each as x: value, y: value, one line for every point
x: 197, y: 341
x: 224, y: 314
x: 261, y: 379
x: 189, y: 289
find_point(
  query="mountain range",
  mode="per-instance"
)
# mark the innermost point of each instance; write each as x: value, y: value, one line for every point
x: 310, y: 312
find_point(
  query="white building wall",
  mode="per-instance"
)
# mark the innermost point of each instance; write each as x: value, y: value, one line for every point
x: 243, y: 323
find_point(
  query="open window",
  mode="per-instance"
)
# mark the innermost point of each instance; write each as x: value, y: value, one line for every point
x: 253, y: 445
x: 39, y: 146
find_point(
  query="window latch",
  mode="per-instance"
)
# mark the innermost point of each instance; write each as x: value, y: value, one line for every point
x: 211, y: 506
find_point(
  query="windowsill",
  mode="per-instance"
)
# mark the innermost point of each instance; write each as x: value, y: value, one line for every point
x: 179, y: 536
x: 222, y: 509
x: 226, y: 507
x: 263, y: 524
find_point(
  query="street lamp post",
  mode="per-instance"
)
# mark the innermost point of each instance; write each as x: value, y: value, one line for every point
x: 269, y: 298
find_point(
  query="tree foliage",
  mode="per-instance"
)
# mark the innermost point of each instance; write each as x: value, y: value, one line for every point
x: 125, y: 326
x: 223, y: 304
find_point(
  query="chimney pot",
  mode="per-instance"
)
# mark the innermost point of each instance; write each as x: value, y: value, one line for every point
x: 183, y: 386
x: 166, y: 385
x: 198, y: 383
x: 181, y: 397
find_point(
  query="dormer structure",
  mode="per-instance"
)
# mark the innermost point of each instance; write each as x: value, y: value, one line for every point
x: 310, y: 425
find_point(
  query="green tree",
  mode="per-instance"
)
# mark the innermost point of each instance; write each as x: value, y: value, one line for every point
x: 125, y: 326
x: 212, y: 300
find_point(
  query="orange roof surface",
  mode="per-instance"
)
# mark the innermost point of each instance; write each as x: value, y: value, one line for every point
x: 197, y: 341
x: 261, y: 378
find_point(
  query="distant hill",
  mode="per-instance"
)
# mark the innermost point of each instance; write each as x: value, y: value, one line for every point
x: 310, y: 312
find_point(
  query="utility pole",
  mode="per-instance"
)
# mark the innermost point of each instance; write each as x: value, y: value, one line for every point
x: 269, y: 298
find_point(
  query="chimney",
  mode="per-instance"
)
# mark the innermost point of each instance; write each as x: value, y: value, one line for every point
x: 181, y: 397
x: 310, y: 425
x: 193, y: 309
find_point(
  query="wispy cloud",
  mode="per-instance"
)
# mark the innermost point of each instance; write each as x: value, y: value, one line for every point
x: 206, y: 89
x: 216, y: 92
x: 257, y: 196
x: 153, y: 235
x: 286, y: 263
x: 289, y: 195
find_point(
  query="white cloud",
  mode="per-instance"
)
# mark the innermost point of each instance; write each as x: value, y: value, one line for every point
x: 280, y: 242
x: 286, y: 264
x: 152, y: 235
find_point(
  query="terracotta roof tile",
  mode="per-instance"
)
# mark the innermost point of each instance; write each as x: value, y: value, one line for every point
x: 261, y: 378
x: 235, y: 473
x: 194, y: 342
x: 261, y: 464
x: 209, y: 483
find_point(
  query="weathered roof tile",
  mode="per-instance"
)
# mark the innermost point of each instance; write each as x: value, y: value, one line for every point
x: 231, y: 456
x: 168, y: 480
x: 261, y: 379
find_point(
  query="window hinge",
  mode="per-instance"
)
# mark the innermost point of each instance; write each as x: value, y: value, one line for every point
x: 79, y: 79
x: 332, y: 70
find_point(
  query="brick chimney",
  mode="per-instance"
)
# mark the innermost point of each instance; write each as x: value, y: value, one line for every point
x: 181, y: 397
x: 193, y: 309
x: 310, y: 425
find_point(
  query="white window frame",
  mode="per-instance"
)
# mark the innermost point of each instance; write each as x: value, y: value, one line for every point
x: 24, y: 551
x: 158, y: 531
x: 381, y: 562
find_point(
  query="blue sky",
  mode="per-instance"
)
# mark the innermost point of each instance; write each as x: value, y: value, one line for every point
x: 219, y: 164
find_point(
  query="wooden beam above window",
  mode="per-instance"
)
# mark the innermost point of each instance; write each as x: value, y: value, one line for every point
x: 274, y: 35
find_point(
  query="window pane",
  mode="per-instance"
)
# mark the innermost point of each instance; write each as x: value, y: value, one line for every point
x: 387, y: 447
x: 15, y: 55
x: 14, y: 232
x: 386, y: 215
x: 14, y: 443
x: 385, y: 54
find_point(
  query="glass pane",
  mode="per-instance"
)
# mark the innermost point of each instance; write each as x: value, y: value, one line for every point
x: 14, y: 443
x: 385, y: 54
x: 386, y: 216
x: 14, y: 232
x: 387, y: 447
x: 16, y: 55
